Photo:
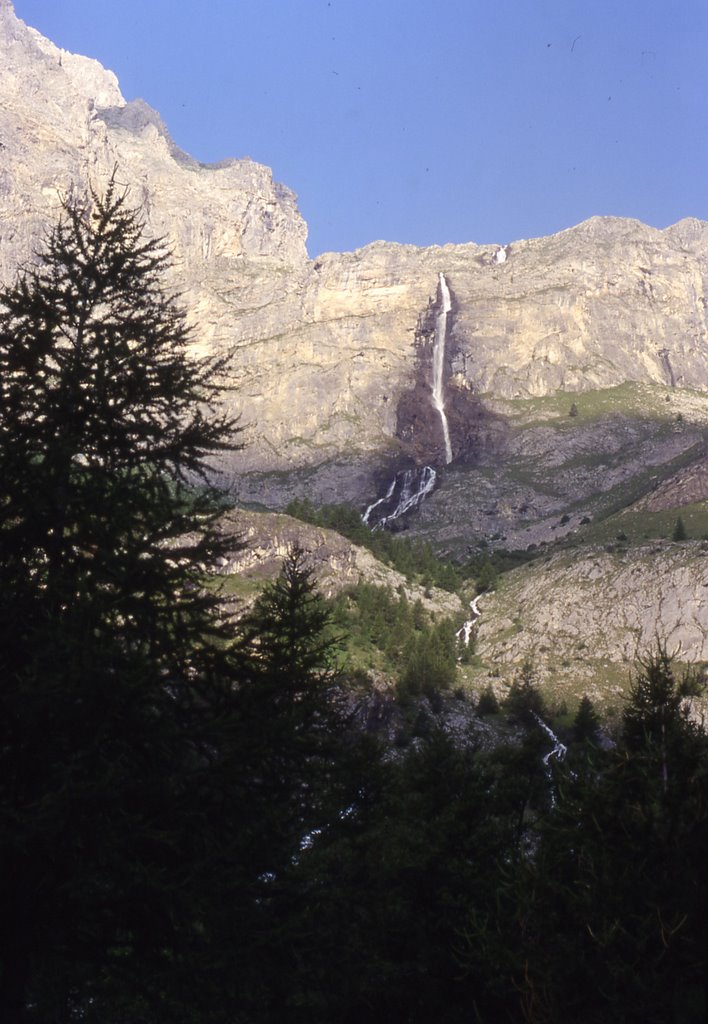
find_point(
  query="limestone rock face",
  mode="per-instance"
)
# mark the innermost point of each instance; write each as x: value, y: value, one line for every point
x: 333, y: 365
x: 337, y: 563
x: 64, y: 124
x: 332, y: 357
x: 602, y: 605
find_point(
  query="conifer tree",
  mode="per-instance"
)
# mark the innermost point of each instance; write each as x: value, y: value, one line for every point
x: 291, y: 708
x: 112, y: 687
x: 679, y: 533
x: 586, y: 722
x: 618, y: 881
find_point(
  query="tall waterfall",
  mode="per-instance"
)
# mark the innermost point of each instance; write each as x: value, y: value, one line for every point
x: 439, y: 363
x: 411, y: 486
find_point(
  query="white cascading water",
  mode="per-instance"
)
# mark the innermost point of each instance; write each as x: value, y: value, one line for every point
x: 559, y: 751
x: 465, y: 631
x: 407, y: 490
x: 423, y: 480
x: 439, y: 363
x: 416, y: 484
x: 375, y: 504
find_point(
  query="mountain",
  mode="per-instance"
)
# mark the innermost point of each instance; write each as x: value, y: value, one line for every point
x: 584, y: 617
x: 571, y: 371
x: 332, y: 357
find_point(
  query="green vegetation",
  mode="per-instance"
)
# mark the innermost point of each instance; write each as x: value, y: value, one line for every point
x: 524, y: 700
x: 586, y: 724
x: 387, y: 633
x: 415, y: 559
x: 115, y: 684
x: 630, y: 399
x: 487, y: 702
x: 639, y: 525
x: 471, y: 885
x: 679, y: 531
x: 486, y: 567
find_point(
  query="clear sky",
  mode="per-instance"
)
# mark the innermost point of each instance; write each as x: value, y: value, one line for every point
x: 419, y: 121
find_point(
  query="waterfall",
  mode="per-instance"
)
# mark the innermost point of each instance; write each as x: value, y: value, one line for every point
x: 465, y: 631
x: 409, y: 487
x: 559, y: 751
x: 414, y: 487
x: 439, y: 363
x: 405, y: 493
x: 381, y: 501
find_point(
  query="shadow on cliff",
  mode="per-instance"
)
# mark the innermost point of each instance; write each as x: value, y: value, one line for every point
x: 475, y: 431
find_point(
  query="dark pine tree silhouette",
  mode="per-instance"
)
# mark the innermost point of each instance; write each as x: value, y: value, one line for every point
x: 114, y: 691
x: 586, y: 723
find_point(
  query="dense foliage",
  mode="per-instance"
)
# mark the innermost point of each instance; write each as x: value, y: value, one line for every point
x: 470, y: 885
x: 386, y: 631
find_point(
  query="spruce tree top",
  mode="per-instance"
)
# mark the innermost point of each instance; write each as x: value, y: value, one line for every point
x: 94, y: 348
x: 106, y: 421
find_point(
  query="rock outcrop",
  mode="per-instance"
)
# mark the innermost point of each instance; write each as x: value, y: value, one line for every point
x: 583, y: 620
x: 263, y: 539
x: 331, y: 357
x: 64, y: 125
x: 616, y: 604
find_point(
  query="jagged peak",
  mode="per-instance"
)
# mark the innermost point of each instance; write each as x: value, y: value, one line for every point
x: 135, y: 116
x: 30, y: 55
x: 80, y: 116
x: 688, y: 232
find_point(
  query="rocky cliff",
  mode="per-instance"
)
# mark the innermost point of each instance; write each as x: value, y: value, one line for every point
x: 582, y: 619
x: 261, y: 540
x: 332, y: 357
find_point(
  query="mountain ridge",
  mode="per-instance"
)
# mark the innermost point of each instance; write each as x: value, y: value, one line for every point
x: 574, y: 375
x: 332, y: 356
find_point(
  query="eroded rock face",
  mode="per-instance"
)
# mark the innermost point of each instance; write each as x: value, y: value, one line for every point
x: 64, y: 125
x: 329, y: 375
x: 601, y: 605
x: 338, y: 564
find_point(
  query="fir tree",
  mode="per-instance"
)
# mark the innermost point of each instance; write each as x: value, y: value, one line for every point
x: 487, y: 703
x: 614, y: 909
x: 679, y: 533
x: 292, y: 711
x: 524, y: 701
x: 113, y: 686
x: 586, y: 722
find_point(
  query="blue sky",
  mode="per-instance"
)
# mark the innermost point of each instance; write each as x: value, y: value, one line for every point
x: 421, y: 122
